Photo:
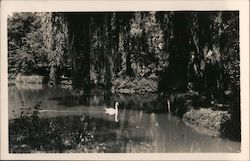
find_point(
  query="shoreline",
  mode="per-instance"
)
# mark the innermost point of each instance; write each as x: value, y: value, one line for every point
x: 191, y: 117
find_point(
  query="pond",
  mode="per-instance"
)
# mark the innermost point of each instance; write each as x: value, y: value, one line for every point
x: 143, y: 122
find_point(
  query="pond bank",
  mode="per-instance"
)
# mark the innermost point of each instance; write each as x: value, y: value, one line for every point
x: 143, y: 125
x: 32, y: 79
x: 204, y: 119
x: 126, y: 85
x: 54, y: 135
x: 207, y: 121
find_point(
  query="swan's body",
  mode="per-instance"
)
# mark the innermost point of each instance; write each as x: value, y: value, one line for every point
x: 113, y: 111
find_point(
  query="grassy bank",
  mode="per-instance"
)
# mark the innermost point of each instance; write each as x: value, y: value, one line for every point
x: 31, y: 79
x: 215, y: 118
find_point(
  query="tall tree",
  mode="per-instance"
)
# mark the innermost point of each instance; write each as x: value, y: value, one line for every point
x: 55, y: 36
x: 180, y: 51
x: 107, y: 48
x: 26, y: 52
x: 124, y: 47
x: 79, y: 34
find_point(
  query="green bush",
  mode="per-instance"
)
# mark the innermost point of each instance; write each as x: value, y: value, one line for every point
x: 134, y: 85
x: 208, y: 120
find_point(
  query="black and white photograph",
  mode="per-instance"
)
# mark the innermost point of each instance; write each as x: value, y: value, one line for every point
x: 124, y: 82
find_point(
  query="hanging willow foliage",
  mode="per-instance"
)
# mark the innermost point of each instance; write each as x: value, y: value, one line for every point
x: 197, y: 47
x: 55, y: 37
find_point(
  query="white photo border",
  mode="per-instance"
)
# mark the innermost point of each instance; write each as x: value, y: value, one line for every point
x: 9, y: 6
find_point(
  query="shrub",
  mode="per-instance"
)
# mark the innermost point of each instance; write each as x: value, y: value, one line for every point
x: 135, y: 85
x: 207, y: 120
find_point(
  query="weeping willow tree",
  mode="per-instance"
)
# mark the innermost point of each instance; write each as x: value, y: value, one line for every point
x: 80, y: 51
x: 175, y: 76
x: 109, y: 47
x: 175, y: 48
x: 209, y: 34
x: 149, y: 57
x: 103, y: 48
x: 56, y: 41
x: 199, y: 50
x: 124, y: 43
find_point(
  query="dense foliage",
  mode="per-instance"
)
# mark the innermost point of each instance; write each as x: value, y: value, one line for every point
x: 95, y: 49
x: 26, y: 52
x: 55, y: 39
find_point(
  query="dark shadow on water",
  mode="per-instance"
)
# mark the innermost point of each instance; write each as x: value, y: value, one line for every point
x: 69, y: 101
x: 148, y: 104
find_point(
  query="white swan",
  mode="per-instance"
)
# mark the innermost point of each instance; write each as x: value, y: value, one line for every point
x: 113, y: 111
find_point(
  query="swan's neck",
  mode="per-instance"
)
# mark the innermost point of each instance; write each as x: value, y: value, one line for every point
x: 116, y: 113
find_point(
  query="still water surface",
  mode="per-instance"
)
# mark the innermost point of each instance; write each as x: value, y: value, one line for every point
x: 143, y: 123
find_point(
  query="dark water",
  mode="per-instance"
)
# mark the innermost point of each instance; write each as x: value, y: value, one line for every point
x: 143, y: 123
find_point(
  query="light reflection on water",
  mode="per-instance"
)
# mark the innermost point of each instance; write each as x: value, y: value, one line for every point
x: 143, y: 125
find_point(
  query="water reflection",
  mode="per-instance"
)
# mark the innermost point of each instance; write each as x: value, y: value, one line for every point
x: 144, y: 124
